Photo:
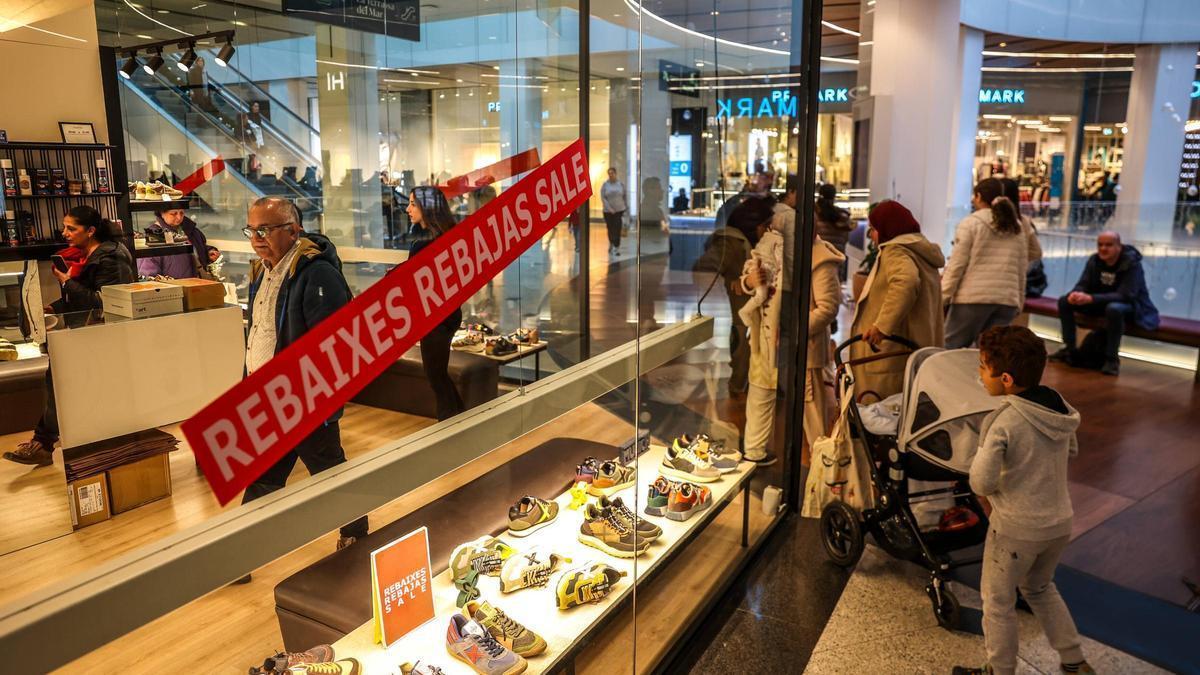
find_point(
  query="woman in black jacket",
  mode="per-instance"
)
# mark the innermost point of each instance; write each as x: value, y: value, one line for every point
x: 429, y: 211
x: 107, y: 262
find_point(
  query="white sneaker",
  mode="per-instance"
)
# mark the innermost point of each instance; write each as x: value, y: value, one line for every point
x: 685, y: 464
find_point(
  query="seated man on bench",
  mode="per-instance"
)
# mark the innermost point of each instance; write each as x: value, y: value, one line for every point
x: 1113, y: 285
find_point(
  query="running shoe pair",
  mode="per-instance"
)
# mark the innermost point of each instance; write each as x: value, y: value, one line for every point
x: 676, y: 500
x: 316, y: 661
x: 475, y: 646
x: 609, y: 525
x: 606, y: 478
x: 528, y: 570
x: 590, y: 583
x: 699, y: 460
x: 529, y: 515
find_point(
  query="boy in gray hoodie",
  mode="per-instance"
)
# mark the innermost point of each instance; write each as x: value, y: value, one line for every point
x: 1021, y: 468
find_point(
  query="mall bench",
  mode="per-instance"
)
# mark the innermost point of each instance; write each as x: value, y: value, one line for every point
x: 325, y: 601
x: 1171, y: 329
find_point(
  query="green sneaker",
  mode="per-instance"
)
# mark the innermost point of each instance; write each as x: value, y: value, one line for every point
x: 510, y: 633
x: 657, y: 497
x: 485, y: 555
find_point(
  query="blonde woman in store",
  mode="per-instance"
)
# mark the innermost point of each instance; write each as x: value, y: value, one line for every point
x: 984, y: 281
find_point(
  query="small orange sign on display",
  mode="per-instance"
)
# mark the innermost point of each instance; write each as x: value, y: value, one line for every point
x: 401, y: 586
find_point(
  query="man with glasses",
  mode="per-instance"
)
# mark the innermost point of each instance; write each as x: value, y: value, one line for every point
x: 296, y: 282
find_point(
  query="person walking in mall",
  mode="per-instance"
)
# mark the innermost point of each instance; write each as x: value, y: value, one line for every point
x: 295, y: 283
x: 181, y: 265
x: 984, y: 281
x: 615, y: 201
x: 1035, y: 273
x: 1113, y: 286
x: 429, y: 211
x: 106, y: 262
x: 833, y: 223
x: 901, y: 298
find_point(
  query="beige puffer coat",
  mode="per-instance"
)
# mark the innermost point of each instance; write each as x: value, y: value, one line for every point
x: 825, y: 300
x: 986, y: 267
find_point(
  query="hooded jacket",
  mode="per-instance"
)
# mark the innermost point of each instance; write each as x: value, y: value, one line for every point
x: 1021, y: 465
x: 1124, y: 282
x: 903, y: 297
x: 986, y: 267
x: 109, y: 264
x: 180, y: 265
x: 314, y: 289
x: 824, y: 301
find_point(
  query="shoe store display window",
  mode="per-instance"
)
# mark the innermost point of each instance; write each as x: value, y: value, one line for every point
x: 466, y: 404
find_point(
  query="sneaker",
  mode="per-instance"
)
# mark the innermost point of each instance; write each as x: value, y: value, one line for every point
x: 530, y: 515
x: 586, y: 471
x: 468, y: 588
x: 657, y: 497
x: 760, y: 457
x: 470, y: 643
x: 606, y: 530
x: 419, y: 669
x: 590, y: 583
x: 34, y: 452
x: 510, y: 633
x: 685, y: 464
x: 611, y: 479
x: 284, y: 660
x: 1111, y: 367
x: 485, y: 555
x: 644, y: 528
x: 528, y: 570
x: 345, y: 666
x: 687, y: 500
x: 499, y: 346
x: 706, y: 449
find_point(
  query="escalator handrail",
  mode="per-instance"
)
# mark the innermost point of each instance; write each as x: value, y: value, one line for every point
x: 276, y: 104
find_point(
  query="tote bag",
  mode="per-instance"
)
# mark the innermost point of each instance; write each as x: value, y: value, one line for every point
x: 839, y: 471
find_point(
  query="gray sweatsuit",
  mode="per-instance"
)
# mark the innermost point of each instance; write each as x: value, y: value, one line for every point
x: 1021, y: 467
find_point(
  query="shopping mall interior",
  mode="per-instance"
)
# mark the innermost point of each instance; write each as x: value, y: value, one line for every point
x: 536, y: 403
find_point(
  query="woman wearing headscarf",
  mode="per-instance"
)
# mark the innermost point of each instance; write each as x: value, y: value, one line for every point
x: 902, y: 298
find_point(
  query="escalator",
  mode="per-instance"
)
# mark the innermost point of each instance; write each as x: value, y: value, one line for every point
x: 212, y: 120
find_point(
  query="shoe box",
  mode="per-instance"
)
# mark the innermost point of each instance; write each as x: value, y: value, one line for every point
x: 200, y: 293
x: 99, y: 497
x: 142, y: 299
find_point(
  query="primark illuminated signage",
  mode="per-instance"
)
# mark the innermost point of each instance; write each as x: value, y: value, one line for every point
x: 991, y: 95
x: 778, y: 103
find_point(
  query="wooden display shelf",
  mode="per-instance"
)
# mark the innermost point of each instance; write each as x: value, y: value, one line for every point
x: 41, y: 251
x: 567, y: 631
x: 151, y: 205
x: 84, y: 195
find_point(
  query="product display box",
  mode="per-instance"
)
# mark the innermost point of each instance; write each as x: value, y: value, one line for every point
x: 88, y: 499
x: 140, y: 482
x: 200, y: 293
x: 142, y: 299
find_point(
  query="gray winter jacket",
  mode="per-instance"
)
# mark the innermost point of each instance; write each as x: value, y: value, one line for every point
x: 1021, y: 465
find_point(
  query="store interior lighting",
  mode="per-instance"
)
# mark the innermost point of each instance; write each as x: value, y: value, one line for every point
x: 155, y: 62
x: 128, y: 68
x: 188, y: 58
x: 226, y: 53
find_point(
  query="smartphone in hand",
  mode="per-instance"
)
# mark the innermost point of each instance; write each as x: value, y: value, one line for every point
x: 60, y: 263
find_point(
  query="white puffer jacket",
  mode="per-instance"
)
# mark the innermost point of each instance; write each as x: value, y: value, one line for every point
x: 985, y: 266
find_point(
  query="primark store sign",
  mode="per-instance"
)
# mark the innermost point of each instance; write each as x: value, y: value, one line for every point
x: 781, y: 103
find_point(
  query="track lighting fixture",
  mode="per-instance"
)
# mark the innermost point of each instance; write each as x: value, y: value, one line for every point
x: 226, y: 53
x: 188, y: 58
x: 155, y: 62
x: 129, y: 66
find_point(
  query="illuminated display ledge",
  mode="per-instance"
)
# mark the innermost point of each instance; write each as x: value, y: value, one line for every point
x: 535, y: 608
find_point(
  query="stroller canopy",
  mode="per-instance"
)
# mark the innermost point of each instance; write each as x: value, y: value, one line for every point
x: 944, y: 406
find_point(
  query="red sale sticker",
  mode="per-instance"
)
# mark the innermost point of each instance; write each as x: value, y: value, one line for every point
x: 250, y: 427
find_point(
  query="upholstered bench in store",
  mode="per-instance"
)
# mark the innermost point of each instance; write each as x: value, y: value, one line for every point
x: 404, y: 388
x: 22, y: 393
x: 323, y: 602
x: 1171, y: 329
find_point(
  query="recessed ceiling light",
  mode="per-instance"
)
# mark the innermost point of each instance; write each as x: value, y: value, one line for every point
x: 1003, y: 44
x: 145, y: 37
x: 161, y: 11
x: 620, y: 69
x: 458, y: 80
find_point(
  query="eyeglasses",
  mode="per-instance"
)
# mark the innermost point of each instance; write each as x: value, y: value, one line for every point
x: 262, y: 231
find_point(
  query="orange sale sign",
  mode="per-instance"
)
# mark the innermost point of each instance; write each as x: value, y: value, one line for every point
x: 402, y: 586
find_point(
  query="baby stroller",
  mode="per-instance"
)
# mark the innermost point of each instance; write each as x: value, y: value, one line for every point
x: 942, y: 407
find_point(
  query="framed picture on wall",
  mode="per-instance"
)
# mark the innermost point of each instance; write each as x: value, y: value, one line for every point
x: 77, y: 133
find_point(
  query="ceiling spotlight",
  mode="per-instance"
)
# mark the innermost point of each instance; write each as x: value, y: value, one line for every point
x: 186, y: 61
x: 151, y: 66
x: 129, y: 66
x: 225, y: 54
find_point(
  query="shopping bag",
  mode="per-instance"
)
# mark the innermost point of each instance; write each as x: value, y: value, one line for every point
x: 839, y: 470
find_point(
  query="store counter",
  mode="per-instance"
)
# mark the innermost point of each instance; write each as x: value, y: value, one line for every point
x: 114, y: 376
x: 689, y: 234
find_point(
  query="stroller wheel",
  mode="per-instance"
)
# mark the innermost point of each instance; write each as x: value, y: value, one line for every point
x: 842, y: 534
x: 945, y: 607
